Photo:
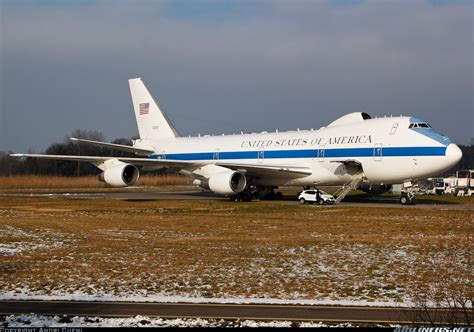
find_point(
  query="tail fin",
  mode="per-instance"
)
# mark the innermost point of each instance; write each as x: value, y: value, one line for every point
x: 152, y: 122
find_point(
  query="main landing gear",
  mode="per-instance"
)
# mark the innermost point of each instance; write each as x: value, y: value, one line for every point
x: 252, y: 192
x: 407, y: 198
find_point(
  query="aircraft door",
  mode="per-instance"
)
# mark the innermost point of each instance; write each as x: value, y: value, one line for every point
x: 161, y: 155
x: 261, y: 156
x: 320, y: 152
x: 378, y: 152
x: 394, y: 129
x: 215, y: 154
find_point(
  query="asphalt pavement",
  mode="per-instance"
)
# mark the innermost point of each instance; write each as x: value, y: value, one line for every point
x: 234, y: 311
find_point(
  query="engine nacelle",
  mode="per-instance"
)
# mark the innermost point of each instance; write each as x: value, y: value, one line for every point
x: 120, y: 175
x: 227, y: 183
x: 375, y: 189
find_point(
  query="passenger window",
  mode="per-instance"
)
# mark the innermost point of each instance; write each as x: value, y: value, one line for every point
x: 311, y: 192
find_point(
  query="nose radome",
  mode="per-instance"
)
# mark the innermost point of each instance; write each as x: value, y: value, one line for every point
x: 453, y: 154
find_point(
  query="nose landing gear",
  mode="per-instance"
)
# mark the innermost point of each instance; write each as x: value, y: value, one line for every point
x: 407, y: 198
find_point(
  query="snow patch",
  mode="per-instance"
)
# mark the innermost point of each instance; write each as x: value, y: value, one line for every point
x: 21, y: 295
x: 32, y: 320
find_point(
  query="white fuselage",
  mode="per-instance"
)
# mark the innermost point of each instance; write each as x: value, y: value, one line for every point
x: 386, y: 148
x: 352, y: 150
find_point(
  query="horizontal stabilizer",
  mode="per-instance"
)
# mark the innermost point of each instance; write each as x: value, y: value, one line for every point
x: 120, y: 147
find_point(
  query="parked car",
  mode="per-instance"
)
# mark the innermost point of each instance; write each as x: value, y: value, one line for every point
x: 316, y: 196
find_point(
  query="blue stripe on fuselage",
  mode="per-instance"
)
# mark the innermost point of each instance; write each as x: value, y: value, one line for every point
x: 308, y: 153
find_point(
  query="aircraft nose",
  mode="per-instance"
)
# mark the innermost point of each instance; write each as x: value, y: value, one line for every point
x: 453, y: 154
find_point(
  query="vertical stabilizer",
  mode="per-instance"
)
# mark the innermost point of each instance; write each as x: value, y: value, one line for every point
x: 151, y: 120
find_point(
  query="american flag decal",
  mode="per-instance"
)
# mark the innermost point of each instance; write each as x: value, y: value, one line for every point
x: 144, y: 108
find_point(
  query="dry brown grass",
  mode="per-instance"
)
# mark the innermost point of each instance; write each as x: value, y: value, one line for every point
x: 223, y: 249
x: 83, y: 182
x: 164, y: 180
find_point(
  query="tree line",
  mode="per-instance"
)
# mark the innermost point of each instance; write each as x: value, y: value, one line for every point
x: 10, y: 166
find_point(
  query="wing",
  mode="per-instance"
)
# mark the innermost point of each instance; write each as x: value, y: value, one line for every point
x: 257, y: 170
x: 260, y: 170
x: 99, y: 160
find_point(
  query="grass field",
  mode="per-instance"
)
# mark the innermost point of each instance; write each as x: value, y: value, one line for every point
x: 220, y: 249
x: 28, y: 182
x: 173, y: 182
x: 359, y: 194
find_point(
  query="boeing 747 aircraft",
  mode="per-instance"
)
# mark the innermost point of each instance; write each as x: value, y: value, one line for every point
x: 354, y: 151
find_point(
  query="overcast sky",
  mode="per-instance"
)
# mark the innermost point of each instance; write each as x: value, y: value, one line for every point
x: 226, y: 66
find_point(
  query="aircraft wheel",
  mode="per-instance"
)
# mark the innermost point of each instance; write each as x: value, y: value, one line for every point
x: 404, y: 200
x: 278, y: 196
x: 302, y: 201
x: 236, y: 198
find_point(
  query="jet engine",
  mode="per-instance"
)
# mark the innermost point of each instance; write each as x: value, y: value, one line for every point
x: 227, y: 183
x: 120, y: 175
x: 375, y: 189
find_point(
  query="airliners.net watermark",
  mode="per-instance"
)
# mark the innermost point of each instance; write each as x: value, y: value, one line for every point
x: 433, y: 329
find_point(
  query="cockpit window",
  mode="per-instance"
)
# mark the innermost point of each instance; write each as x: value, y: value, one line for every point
x: 419, y: 125
x: 423, y: 128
